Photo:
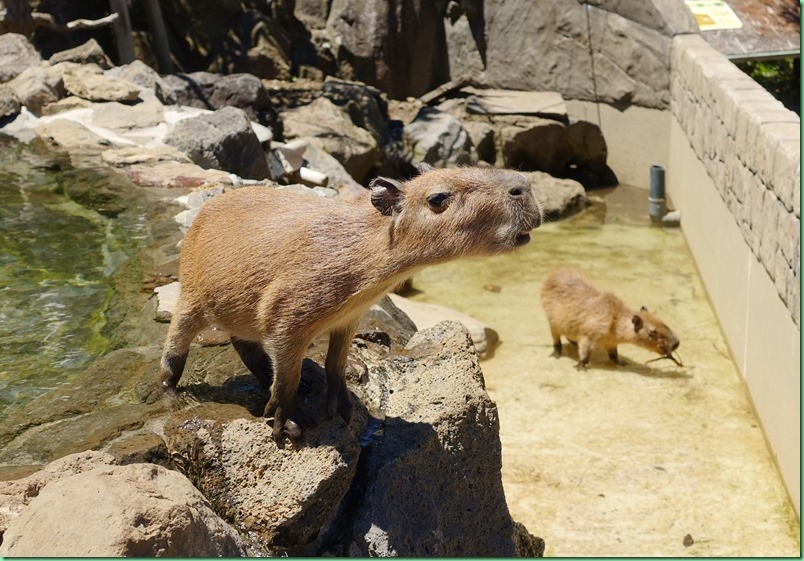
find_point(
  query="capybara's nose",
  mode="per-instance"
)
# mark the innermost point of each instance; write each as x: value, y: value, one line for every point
x: 676, y: 343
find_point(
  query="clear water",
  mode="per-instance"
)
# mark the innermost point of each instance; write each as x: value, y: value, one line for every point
x: 63, y: 232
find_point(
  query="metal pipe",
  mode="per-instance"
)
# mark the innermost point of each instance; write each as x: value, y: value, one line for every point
x: 657, y: 205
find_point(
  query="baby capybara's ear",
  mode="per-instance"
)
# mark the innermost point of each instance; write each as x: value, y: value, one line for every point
x: 386, y: 195
x: 424, y: 167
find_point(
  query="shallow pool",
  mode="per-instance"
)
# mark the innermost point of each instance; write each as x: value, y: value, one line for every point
x: 63, y: 233
x: 643, y: 459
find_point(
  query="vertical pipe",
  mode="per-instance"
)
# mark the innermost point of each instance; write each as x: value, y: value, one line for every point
x: 656, y: 202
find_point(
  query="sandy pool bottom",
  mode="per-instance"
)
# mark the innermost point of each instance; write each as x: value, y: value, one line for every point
x: 646, y: 459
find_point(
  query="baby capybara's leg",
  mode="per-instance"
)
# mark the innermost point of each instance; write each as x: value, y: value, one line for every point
x: 337, y: 393
x: 256, y: 360
x: 184, y: 326
x: 282, y: 405
x: 556, y: 341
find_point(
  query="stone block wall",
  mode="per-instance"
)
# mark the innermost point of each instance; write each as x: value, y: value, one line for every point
x: 749, y: 144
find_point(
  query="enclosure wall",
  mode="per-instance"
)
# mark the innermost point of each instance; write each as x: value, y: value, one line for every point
x: 734, y: 172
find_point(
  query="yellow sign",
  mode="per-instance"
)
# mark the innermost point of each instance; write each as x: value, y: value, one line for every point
x: 713, y: 14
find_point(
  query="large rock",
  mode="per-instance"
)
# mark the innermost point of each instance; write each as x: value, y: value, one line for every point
x: 559, y: 197
x: 88, y: 82
x: 399, y: 50
x: 433, y: 479
x: 88, y: 53
x: 16, y: 55
x: 221, y: 140
x: 439, y: 139
x: 9, y: 103
x: 38, y: 86
x: 208, y: 90
x: 281, y: 497
x: 103, y: 510
x: 330, y: 128
x: 625, y: 60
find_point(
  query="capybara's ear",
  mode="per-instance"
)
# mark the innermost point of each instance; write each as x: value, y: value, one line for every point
x: 386, y: 194
x: 637, y: 321
x: 644, y: 309
x: 424, y: 167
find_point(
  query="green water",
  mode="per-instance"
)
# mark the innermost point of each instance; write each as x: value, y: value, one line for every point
x: 63, y: 232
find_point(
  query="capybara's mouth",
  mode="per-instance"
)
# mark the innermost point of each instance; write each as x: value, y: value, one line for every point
x: 522, y: 238
x: 668, y: 356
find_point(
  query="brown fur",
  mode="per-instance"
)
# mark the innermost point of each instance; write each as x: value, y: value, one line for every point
x: 275, y: 269
x: 588, y: 317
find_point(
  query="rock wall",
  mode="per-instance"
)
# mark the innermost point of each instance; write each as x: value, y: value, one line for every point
x: 614, y: 51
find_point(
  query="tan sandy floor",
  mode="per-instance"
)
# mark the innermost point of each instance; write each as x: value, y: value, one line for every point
x: 624, y: 461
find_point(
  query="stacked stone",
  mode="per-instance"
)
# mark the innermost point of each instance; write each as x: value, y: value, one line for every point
x: 749, y: 144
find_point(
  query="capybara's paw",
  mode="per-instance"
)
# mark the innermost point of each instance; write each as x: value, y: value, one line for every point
x: 288, y: 426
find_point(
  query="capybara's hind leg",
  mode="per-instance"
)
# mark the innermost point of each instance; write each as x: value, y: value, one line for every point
x: 183, y: 328
x: 337, y: 394
x: 256, y: 360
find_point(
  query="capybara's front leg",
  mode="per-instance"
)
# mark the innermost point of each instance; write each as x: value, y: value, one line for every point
x: 337, y: 393
x: 184, y: 326
x: 556, y: 342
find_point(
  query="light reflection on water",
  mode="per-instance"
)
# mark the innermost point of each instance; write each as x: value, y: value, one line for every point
x: 56, y: 256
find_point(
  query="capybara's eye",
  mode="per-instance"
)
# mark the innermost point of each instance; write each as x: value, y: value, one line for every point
x: 438, y: 200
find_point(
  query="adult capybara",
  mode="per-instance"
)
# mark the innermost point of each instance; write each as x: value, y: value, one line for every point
x: 590, y: 317
x: 275, y: 268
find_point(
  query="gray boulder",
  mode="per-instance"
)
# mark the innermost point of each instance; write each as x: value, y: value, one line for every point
x: 16, y: 55
x: 103, y: 510
x: 221, y: 140
x: 9, y: 103
x: 37, y: 86
x: 330, y: 128
x: 364, y: 104
x: 433, y: 479
x: 559, y: 197
x: 139, y: 73
x: 437, y: 138
x: 532, y: 143
x: 88, y: 53
x: 208, y: 90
